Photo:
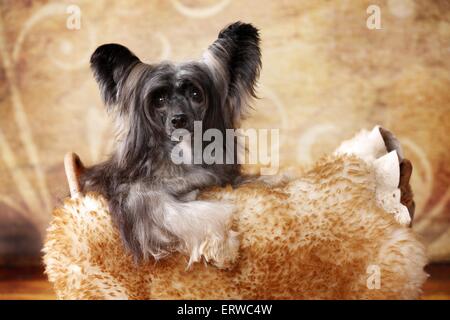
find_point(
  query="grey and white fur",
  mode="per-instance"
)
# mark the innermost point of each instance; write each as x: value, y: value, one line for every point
x: 151, y: 199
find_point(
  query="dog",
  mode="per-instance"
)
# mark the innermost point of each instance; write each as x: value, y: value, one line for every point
x: 152, y: 200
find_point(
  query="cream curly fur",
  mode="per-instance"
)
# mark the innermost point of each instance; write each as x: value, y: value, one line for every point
x: 313, y: 237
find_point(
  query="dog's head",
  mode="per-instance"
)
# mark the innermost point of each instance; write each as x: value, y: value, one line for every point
x: 150, y: 101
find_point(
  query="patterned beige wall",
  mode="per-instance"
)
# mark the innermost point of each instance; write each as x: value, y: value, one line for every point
x: 325, y: 75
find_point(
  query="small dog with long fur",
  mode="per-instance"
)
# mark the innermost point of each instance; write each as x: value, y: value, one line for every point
x: 152, y: 199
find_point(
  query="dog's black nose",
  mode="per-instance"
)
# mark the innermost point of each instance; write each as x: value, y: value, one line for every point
x: 179, y: 121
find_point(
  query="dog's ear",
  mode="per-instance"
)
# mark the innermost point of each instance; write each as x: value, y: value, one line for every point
x: 110, y: 63
x: 235, y: 61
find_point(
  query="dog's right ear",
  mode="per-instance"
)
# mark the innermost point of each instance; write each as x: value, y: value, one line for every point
x: 110, y: 64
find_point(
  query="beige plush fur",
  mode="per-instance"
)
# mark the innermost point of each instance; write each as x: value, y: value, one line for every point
x: 319, y: 236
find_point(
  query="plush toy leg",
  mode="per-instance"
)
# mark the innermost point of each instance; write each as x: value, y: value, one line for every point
x: 367, y: 145
x: 73, y: 168
x: 381, y: 149
x: 388, y: 195
x: 407, y: 197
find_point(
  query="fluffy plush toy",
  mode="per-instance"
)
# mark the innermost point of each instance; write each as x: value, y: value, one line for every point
x: 339, y: 231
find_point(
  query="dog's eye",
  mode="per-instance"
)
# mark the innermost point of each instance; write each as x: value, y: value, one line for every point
x: 159, y: 99
x: 196, y: 95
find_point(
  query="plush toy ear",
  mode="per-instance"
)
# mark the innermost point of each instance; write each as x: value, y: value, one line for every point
x: 110, y: 64
x: 235, y: 61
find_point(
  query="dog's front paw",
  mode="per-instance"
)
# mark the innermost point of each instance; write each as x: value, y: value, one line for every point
x: 221, y: 251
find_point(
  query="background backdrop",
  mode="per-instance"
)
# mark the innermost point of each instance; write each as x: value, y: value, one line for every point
x: 325, y: 76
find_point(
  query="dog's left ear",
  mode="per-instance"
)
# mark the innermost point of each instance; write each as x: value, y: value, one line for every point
x: 110, y: 64
x: 235, y: 61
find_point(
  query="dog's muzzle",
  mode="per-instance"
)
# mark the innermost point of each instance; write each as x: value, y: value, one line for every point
x: 179, y: 121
